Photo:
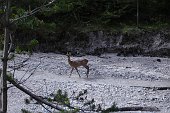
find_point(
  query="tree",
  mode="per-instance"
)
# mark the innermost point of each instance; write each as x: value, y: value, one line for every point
x: 6, y: 51
x: 72, y: 13
x: 137, y: 13
x: 4, y: 60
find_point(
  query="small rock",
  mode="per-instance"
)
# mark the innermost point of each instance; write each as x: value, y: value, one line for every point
x: 159, y: 60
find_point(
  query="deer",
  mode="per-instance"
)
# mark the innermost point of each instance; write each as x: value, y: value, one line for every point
x: 77, y: 63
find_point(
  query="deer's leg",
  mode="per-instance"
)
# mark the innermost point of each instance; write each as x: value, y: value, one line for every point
x: 71, y: 72
x: 77, y: 72
x: 87, y: 67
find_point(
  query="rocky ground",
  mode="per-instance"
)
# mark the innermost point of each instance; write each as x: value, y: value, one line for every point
x: 127, y: 81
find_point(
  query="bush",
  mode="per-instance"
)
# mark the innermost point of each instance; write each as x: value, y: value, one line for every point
x: 33, y: 43
x: 18, y: 50
x: 62, y: 98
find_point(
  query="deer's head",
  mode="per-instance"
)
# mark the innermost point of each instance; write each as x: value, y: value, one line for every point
x: 68, y: 54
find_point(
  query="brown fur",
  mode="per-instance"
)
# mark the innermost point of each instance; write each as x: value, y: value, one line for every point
x: 77, y: 63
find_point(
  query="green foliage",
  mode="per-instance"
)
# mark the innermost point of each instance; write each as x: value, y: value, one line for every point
x: 32, y: 44
x: 30, y: 23
x: 18, y: 50
x: 62, y: 98
x: 47, y: 27
x: 156, y: 26
x: 9, y: 76
x: 64, y: 6
x: 130, y: 29
x: 76, y: 16
x: 27, y: 48
x: 50, y: 99
x: 25, y: 23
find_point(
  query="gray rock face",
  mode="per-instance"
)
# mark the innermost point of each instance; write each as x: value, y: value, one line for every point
x: 153, y: 43
x: 144, y: 43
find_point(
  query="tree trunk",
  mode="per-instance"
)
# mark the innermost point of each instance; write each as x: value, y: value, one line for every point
x: 0, y: 95
x: 137, y: 14
x: 3, y: 94
x: 4, y: 73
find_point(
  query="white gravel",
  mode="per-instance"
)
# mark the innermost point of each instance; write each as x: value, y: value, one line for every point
x: 111, y: 79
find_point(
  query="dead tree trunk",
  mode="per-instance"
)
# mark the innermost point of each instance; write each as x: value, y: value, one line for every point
x: 37, y: 98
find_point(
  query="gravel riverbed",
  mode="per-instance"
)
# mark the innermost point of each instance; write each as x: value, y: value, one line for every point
x: 123, y: 80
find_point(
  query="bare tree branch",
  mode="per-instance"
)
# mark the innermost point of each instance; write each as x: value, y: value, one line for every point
x: 45, y: 108
x: 30, y: 13
x: 37, y: 98
x: 11, y: 42
x: 30, y: 74
x: 19, y: 65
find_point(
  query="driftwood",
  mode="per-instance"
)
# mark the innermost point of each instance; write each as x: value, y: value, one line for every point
x: 154, y: 88
x: 158, y: 88
x: 138, y: 109
x: 37, y: 98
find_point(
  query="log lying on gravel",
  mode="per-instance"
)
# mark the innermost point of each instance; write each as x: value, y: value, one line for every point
x: 37, y: 98
x: 155, y: 88
x: 163, y: 88
x: 138, y: 109
x: 158, y: 88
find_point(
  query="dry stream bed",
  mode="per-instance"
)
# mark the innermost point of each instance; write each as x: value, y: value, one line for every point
x: 127, y: 81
